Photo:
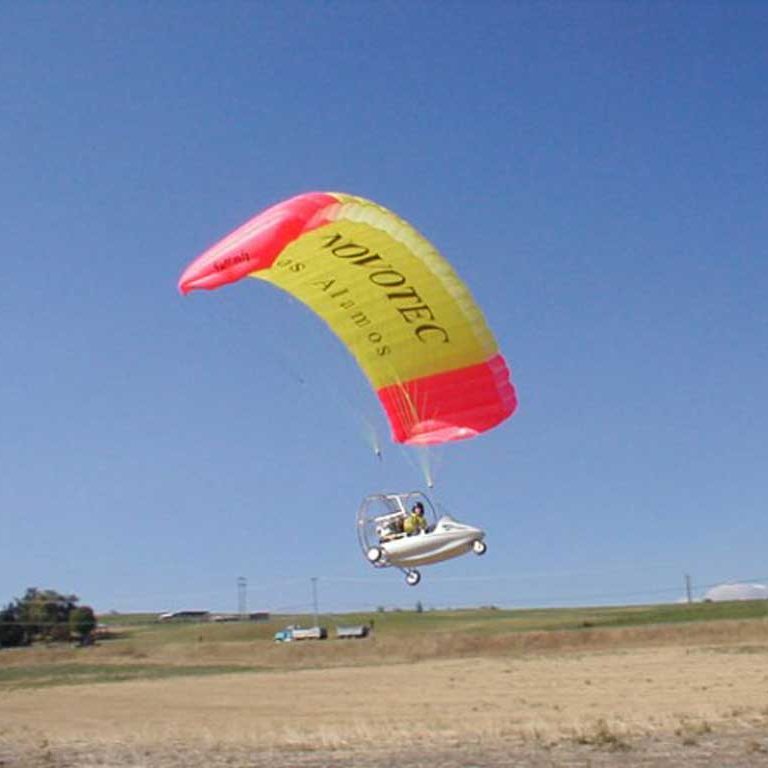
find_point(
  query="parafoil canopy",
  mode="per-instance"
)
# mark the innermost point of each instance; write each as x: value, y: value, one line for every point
x: 394, y: 302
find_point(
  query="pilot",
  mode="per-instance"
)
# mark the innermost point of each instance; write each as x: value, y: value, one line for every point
x: 416, y: 522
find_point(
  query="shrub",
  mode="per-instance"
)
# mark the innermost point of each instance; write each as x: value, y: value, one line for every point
x: 82, y: 621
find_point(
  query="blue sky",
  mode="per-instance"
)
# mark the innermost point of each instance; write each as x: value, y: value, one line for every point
x: 596, y: 172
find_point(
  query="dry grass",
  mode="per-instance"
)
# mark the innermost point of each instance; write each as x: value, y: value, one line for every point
x: 668, y: 689
x: 206, y: 646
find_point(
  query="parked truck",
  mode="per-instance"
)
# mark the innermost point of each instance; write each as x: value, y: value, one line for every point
x: 293, y: 632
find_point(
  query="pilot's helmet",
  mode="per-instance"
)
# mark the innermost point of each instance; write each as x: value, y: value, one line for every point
x: 418, y: 507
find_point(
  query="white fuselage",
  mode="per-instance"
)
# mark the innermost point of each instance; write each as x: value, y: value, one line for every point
x: 447, y: 539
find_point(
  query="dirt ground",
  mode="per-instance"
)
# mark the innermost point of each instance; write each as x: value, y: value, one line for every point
x: 665, y: 706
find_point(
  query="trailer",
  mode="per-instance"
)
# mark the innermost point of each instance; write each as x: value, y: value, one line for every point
x: 355, y: 632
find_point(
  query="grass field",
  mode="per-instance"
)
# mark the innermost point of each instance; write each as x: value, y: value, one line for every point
x: 675, y: 684
x: 144, y: 648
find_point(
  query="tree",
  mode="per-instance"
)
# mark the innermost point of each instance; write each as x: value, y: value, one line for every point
x: 45, y: 613
x: 82, y: 621
x: 11, y: 631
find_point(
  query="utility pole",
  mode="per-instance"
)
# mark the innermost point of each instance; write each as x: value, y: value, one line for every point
x: 688, y: 590
x: 242, y: 596
x: 314, y: 600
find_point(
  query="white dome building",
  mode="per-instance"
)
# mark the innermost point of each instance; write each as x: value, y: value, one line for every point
x: 723, y: 592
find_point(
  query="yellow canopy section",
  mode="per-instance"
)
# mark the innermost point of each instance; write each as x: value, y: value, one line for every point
x: 386, y: 292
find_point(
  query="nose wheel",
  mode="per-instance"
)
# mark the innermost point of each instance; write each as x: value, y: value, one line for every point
x: 374, y: 554
x: 479, y: 547
x: 412, y: 578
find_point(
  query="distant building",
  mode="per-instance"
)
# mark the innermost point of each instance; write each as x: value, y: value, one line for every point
x: 725, y: 592
x: 208, y: 616
x: 184, y: 616
x: 256, y: 616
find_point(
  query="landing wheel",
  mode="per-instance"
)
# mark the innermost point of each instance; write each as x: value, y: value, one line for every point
x: 479, y: 547
x: 412, y: 578
x: 374, y: 554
